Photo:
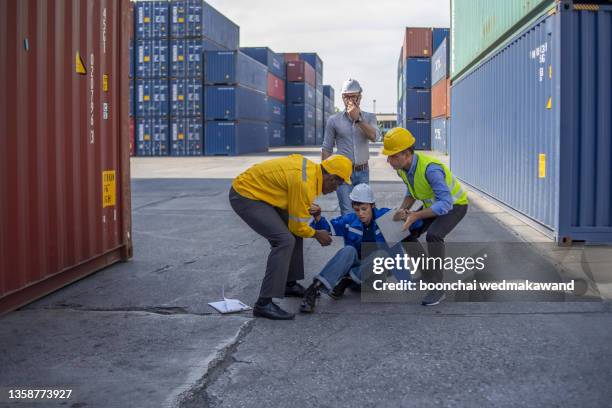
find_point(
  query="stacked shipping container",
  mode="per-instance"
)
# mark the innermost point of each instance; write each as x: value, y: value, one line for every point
x: 440, y: 98
x: 301, y: 101
x: 314, y: 61
x: 328, y: 104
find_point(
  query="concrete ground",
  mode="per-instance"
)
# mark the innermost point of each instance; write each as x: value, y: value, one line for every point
x: 140, y: 334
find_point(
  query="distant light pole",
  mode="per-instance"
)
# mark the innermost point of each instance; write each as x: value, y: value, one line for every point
x: 374, y: 107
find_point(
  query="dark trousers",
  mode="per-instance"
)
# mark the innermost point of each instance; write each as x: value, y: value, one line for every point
x: 286, y: 258
x: 437, y: 228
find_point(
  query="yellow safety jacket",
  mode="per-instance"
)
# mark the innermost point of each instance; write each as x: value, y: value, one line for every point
x: 290, y: 183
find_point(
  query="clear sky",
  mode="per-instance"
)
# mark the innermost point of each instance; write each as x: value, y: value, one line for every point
x: 359, y: 39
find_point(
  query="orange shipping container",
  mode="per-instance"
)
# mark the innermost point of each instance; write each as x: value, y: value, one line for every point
x: 439, y: 99
x: 417, y: 42
x: 64, y: 143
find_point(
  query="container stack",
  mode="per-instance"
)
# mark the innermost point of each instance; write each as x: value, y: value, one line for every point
x: 300, y: 100
x: 328, y: 105
x: 236, y: 104
x: 151, y: 71
x: 276, y: 91
x: 440, y: 98
x: 313, y: 59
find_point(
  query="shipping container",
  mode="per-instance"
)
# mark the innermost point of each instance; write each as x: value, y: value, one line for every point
x: 439, y: 135
x: 234, y: 138
x: 276, y: 111
x: 300, y: 92
x: 328, y: 105
x: 301, y: 71
x: 186, y: 136
x: 186, y: 96
x: 196, y: 18
x: 319, y: 99
x: 151, y: 19
x: 417, y: 73
x: 439, y: 63
x: 152, y: 97
x: 538, y: 141
x: 276, y: 87
x: 131, y: 108
x: 152, y: 136
x: 417, y: 104
x: 300, y: 114
x: 319, y: 126
x: 151, y: 58
x: 275, y: 62
x: 438, y: 35
x: 439, y: 99
x: 421, y: 130
x: 235, y: 103
x: 235, y: 67
x: 291, y: 56
x: 479, y: 26
x: 314, y: 60
x: 300, y: 135
x: 132, y: 59
x: 276, y: 134
x: 186, y: 58
x: 328, y: 91
x: 132, y: 137
x: 417, y: 42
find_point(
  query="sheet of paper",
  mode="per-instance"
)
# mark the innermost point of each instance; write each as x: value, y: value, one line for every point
x: 228, y: 305
x: 391, y: 230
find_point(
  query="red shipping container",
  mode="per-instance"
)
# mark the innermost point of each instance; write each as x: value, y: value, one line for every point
x: 300, y: 71
x: 276, y: 87
x: 292, y: 56
x: 417, y: 42
x: 439, y: 99
x: 65, y: 210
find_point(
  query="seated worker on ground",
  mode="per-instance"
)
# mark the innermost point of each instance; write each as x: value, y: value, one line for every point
x: 344, y: 268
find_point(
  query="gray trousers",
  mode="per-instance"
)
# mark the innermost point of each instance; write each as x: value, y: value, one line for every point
x: 286, y: 258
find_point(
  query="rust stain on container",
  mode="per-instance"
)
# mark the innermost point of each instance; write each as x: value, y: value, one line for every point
x: 64, y: 144
x: 417, y: 42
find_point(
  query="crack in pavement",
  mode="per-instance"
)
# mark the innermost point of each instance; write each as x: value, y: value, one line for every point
x: 160, y: 310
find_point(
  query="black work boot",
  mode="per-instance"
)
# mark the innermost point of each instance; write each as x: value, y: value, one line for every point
x: 338, y: 291
x: 294, y: 289
x: 310, y: 298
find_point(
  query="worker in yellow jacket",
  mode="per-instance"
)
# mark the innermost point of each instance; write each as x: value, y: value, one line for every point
x: 274, y: 198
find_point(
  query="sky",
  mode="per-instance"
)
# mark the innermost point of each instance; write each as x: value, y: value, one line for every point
x: 358, y: 39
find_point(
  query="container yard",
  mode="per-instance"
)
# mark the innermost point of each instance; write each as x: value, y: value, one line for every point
x: 428, y: 201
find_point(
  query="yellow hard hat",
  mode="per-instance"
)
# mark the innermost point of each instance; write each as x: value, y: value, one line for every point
x: 340, y: 166
x: 396, y: 140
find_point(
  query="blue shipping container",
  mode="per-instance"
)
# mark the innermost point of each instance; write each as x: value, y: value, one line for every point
x: 417, y: 73
x: 417, y: 104
x: 235, y: 102
x: 439, y: 135
x: 439, y: 63
x: 151, y: 19
x: 319, y: 130
x: 275, y: 62
x: 319, y: 99
x: 438, y: 36
x: 539, y: 140
x: 186, y: 136
x: 186, y: 58
x: 132, y: 59
x: 131, y: 109
x: 152, y: 97
x: 313, y: 59
x: 151, y: 136
x: 300, y: 114
x: 328, y: 91
x: 421, y: 130
x: 196, y: 18
x: 276, y: 111
x: 234, y: 67
x: 238, y: 137
x: 151, y: 58
x: 186, y: 96
x: 299, y: 92
x: 277, y: 134
x: 300, y: 135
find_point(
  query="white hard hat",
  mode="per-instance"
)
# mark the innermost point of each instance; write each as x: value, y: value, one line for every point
x: 362, y: 193
x: 351, y: 86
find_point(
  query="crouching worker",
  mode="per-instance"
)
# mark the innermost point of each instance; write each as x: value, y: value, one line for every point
x: 344, y: 269
x: 274, y: 199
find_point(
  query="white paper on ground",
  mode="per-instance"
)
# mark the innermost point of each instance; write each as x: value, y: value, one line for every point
x: 228, y: 305
x: 391, y: 230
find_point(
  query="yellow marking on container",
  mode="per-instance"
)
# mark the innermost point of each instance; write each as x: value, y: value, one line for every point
x: 79, y: 66
x: 542, y: 165
x: 549, y: 103
x: 550, y: 72
x: 181, y: 20
x: 146, y: 97
x: 180, y: 58
x: 147, y: 19
x: 181, y: 136
x: 105, y: 82
x: 587, y: 7
x: 180, y: 97
x: 146, y: 58
x: 147, y: 137
x: 109, y: 189
x: 425, y: 52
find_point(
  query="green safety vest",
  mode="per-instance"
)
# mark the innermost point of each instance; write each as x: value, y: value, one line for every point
x: 423, y: 191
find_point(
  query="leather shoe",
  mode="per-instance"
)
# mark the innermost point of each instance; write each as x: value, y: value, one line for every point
x: 271, y: 311
x: 296, y: 290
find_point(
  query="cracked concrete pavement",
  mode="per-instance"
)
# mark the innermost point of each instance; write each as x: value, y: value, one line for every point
x: 141, y: 333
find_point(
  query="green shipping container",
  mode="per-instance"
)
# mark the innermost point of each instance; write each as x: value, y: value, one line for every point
x: 480, y: 26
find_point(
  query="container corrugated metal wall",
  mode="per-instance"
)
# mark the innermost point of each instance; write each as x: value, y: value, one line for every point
x: 417, y: 42
x: 277, y: 134
x: 276, y: 87
x: 439, y: 135
x: 438, y: 36
x: 276, y: 111
x: 417, y: 72
x: 417, y: 104
x: 439, y: 102
x: 186, y: 136
x: 235, y: 102
x: 152, y: 97
x: 152, y: 58
x: 299, y: 114
x: 275, y: 62
x: 234, y: 138
x: 152, y: 136
x: 186, y: 96
x: 64, y: 171
x: 234, y: 67
x: 328, y: 91
x: 195, y: 18
x: 300, y: 92
x: 300, y: 135
x: 186, y: 57
x: 151, y: 19
x: 539, y: 141
x: 439, y: 63
x: 301, y: 71
x: 421, y: 131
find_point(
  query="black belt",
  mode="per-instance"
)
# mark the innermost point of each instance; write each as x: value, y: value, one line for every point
x: 360, y: 167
